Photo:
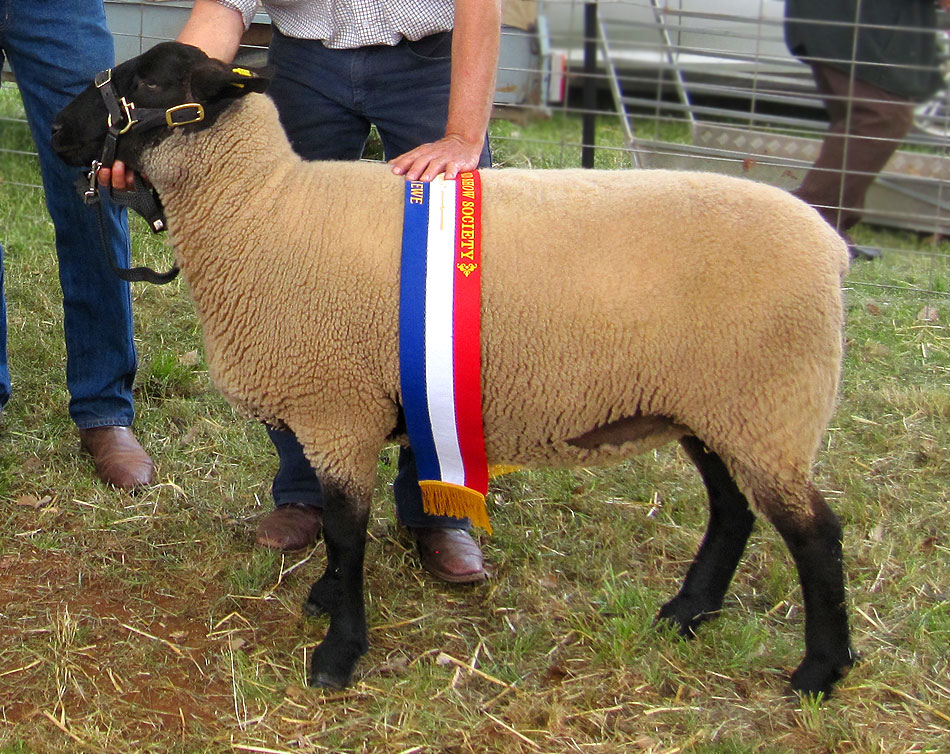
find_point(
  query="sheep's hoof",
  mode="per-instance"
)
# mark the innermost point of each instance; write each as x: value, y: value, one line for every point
x: 323, y: 598
x: 326, y: 681
x: 684, y: 618
x: 817, y: 676
x: 313, y: 610
x: 332, y: 668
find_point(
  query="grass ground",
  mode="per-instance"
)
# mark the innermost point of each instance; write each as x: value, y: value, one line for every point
x: 149, y: 623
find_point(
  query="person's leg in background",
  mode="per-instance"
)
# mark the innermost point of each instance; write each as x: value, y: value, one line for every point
x: 867, y: 126
x: 4, y: 369
x: 55, y: 50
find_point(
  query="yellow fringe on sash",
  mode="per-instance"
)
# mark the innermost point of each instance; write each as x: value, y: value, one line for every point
x: 447, y: 499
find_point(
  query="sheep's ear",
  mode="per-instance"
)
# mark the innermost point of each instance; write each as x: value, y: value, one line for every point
x: 215, y: 80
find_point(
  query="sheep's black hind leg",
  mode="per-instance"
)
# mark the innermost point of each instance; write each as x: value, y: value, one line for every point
x: 814, y: 538
x: 730, y: 523
x: 339, y: 592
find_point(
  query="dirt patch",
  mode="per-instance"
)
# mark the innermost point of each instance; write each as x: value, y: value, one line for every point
x: 77, y: 640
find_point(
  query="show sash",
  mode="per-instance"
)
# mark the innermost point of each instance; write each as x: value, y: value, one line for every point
x: 440, y: 344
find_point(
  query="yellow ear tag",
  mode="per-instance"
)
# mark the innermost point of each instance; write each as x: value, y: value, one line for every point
x: 242, y: 72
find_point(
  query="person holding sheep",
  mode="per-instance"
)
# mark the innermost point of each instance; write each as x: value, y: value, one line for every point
x: 423, y: 73
x: 55, y: 49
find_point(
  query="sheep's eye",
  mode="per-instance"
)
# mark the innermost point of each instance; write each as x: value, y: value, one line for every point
x: 147, y: 86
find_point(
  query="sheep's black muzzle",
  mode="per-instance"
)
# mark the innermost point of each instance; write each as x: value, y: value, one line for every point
x: 134, y: 106
x: 121, y: 117
x: 68, y: 153
x: 142, y: 100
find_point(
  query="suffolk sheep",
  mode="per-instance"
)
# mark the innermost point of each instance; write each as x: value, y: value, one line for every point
x: 621, y: 310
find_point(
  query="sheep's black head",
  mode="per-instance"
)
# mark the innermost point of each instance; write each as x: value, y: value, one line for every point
x: 166, y: 76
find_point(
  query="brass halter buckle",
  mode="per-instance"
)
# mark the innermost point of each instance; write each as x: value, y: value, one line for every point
x: 197, y: 114
x: 104, y: 84
x: 127, y: 108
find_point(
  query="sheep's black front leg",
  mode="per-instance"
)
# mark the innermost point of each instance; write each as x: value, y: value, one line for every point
x: 339, y: 591
x: 814, y: 538
x: 730, y: 523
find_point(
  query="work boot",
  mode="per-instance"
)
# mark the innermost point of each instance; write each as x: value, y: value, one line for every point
x: 292, y: 526
x: 119, y: 459
x: 862, y: 251
x: 450, y: 554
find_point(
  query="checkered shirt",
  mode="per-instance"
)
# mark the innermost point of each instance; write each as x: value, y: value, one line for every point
x: 346, y: 24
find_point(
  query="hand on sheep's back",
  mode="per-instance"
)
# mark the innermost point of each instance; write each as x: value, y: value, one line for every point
x: 450, y: 155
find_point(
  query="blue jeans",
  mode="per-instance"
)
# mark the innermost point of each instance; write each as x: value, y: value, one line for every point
x: 327, y: 100
x: 55, y: 48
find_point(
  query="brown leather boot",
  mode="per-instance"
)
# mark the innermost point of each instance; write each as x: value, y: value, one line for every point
x: 450, y: 554
x: 292, y: 526
x: 119, y: 459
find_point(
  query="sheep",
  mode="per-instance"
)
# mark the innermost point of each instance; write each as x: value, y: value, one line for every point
x: 621, y: 310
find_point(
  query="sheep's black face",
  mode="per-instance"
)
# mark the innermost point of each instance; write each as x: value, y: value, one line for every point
x: 167, y: 75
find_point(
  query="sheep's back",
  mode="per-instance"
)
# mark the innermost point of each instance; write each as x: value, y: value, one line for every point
x: 710, y: 301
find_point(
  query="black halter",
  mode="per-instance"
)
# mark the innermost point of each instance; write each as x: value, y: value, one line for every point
x: 123, y: 116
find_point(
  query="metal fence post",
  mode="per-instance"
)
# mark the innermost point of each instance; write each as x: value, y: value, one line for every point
x: 589, y: 118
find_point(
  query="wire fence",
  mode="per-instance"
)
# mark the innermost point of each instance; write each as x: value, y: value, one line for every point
x: 685, y: 84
